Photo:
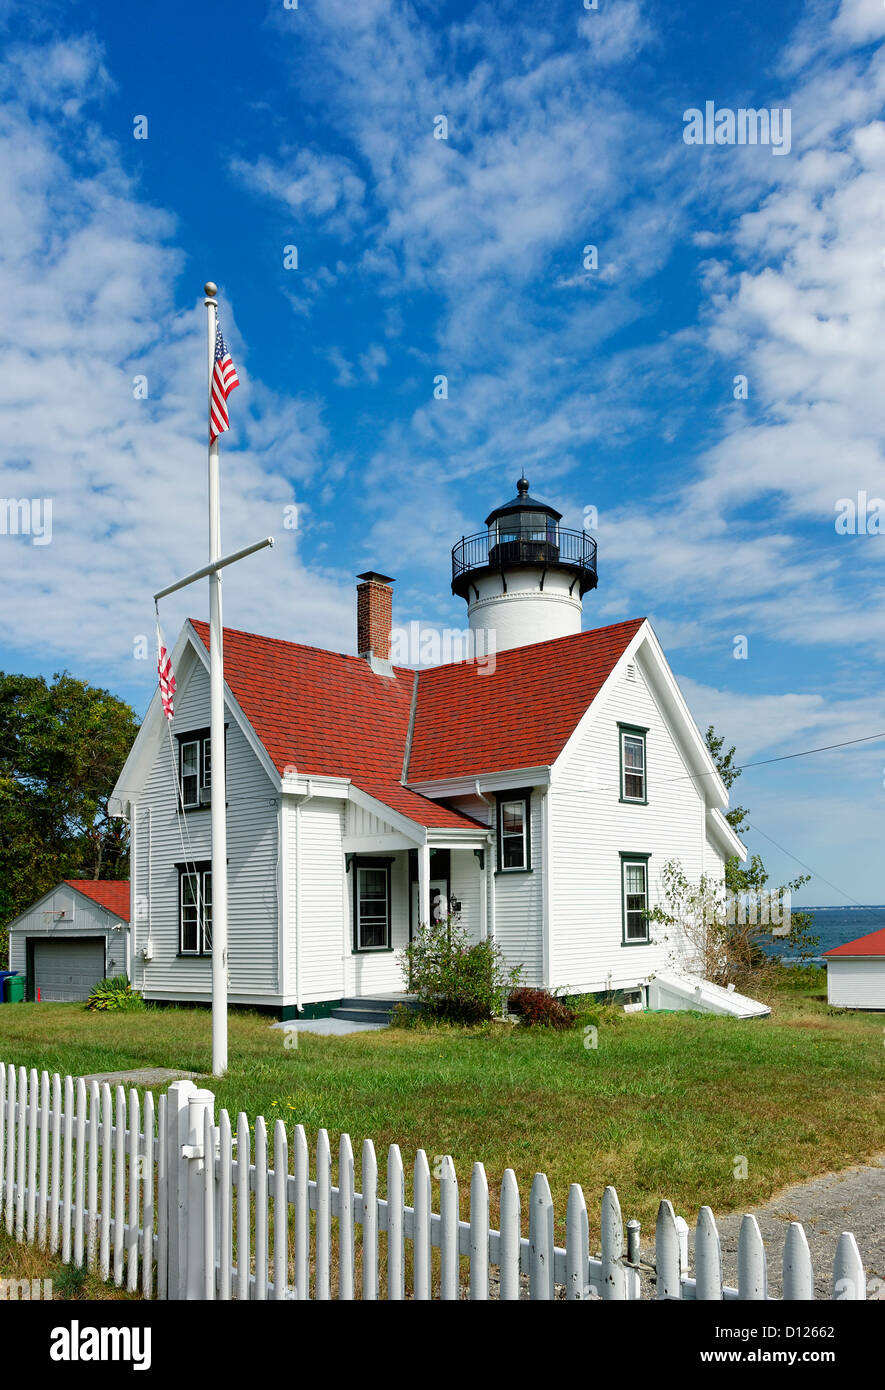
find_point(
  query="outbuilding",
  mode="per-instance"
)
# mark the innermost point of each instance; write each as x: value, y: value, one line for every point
x: 856, y: 973
x: 72, y: 937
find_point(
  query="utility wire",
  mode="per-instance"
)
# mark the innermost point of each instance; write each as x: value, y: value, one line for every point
x: 865, y: 907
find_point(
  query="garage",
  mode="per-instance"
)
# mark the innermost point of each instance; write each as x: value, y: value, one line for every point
x: 68, y: 969
x: 856, y: 973
x: 72, y: 937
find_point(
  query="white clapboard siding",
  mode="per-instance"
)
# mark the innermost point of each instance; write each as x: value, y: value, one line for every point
x: 519, y: 907
x: 163, y: 839
x: 589, y: 827
x: 321, y: 913
x: 96, y: 1176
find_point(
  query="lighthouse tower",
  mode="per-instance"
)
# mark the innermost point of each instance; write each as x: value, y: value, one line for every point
x: 523, y: 577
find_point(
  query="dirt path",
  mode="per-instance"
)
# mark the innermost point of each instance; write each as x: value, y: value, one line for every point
x: 853, y: 1200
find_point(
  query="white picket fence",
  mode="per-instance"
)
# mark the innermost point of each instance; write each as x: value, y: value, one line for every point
x: 122, y: 1185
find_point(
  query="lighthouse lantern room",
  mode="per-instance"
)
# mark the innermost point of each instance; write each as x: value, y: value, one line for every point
x: 524, y: 577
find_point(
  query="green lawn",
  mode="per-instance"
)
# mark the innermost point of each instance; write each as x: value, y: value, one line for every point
x: 663, y: 1107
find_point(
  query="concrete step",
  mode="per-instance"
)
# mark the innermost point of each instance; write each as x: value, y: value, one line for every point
x: 379, y: 1003
x: 362, y: 1015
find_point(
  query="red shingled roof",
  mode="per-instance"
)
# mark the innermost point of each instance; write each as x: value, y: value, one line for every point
x: 872, y: 945
x: 329, y: 714
x: 471, y: 722
x: 326, y: 713
x: 110, y: 893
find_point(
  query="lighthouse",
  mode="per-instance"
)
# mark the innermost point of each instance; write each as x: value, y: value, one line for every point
x: 524, y: 577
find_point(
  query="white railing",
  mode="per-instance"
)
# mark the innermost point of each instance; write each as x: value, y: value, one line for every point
x: 85, y: 1175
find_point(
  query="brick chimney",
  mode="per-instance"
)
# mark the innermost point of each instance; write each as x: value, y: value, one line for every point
x: 374, y: 615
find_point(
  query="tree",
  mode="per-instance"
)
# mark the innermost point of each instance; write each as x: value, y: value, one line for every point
x: 62, y: 746
x: 719, y: 931
x: 723, y: 925
x: 729, y: 773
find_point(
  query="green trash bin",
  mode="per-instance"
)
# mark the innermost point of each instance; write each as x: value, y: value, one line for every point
x: 14, y: 989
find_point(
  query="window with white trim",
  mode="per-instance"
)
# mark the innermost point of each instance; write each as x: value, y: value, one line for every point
x: 634, y: 872
x: 195, y: 768
x: 633, y: 781
x: 372, y: 915
x: 195, y: 909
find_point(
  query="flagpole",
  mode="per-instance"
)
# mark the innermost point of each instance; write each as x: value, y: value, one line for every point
x: 216, y: 733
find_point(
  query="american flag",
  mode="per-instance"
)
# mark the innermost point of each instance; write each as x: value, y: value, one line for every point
x: 167, y: 679
x: 224, y: 379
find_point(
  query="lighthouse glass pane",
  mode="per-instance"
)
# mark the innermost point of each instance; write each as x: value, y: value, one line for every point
x: 372, y: 909
x: 633, y: 762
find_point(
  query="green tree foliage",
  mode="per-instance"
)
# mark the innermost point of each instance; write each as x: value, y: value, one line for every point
x: 62, y: 746
x: 751, y: 880
x: 729, y: 773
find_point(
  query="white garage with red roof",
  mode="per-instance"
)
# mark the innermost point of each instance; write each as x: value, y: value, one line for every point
x: 72, y: 937
x: 856, y: 973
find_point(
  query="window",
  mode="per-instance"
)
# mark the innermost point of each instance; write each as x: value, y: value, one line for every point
x: 633, y: 779
x: 195, y: 909
x: 514, y: 831
x: 634, y: 889
x: 195, y: 768
x: 371, y: 905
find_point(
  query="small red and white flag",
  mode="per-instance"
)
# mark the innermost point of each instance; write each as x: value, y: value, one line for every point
x: 167, y: 679
x: 224, y: 380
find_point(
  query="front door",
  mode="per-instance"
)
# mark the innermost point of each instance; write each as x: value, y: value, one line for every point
x: 438, y: 904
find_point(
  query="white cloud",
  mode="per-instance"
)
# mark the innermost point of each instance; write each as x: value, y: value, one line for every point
x: 308, y: 184
x: 616, y: 31
x: 86, y: 278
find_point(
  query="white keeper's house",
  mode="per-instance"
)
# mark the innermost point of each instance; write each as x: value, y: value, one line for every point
x: 535, y: 792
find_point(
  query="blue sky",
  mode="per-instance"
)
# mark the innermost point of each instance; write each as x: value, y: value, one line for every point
x: 614, y: 388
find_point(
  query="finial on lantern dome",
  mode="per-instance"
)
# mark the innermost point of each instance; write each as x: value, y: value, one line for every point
x: 522, y: 486
x: 210, y: 288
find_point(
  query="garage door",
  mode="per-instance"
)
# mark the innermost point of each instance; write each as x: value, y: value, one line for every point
x: 68, y: 969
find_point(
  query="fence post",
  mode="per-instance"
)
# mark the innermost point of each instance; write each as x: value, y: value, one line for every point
x: 176, y: 1188
x: 200, y: 1104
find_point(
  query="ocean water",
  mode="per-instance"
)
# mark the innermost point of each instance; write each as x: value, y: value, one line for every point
x: 834, y: 926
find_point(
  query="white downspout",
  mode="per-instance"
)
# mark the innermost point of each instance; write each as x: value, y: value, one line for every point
x: 546, y: 941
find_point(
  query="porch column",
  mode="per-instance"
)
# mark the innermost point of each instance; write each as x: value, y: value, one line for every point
x: 424, y: 884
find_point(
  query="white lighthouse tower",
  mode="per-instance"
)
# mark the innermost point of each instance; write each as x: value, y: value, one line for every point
x: 525, y: 576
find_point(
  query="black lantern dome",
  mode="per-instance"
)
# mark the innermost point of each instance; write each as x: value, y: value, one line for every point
x: 524, y: 533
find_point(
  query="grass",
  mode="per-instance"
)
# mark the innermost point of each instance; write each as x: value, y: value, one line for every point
x: 664, y: 1106
x: 68, y: 1282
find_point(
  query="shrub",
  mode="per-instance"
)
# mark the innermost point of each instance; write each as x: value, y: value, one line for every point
x: 114, y: 993
x: 540, y: 1008
x: 455, y: 979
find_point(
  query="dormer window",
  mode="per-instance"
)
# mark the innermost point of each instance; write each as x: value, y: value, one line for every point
x: 634, y: 785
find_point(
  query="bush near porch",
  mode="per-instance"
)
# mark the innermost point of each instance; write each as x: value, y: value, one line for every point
x: 662, y: 1106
